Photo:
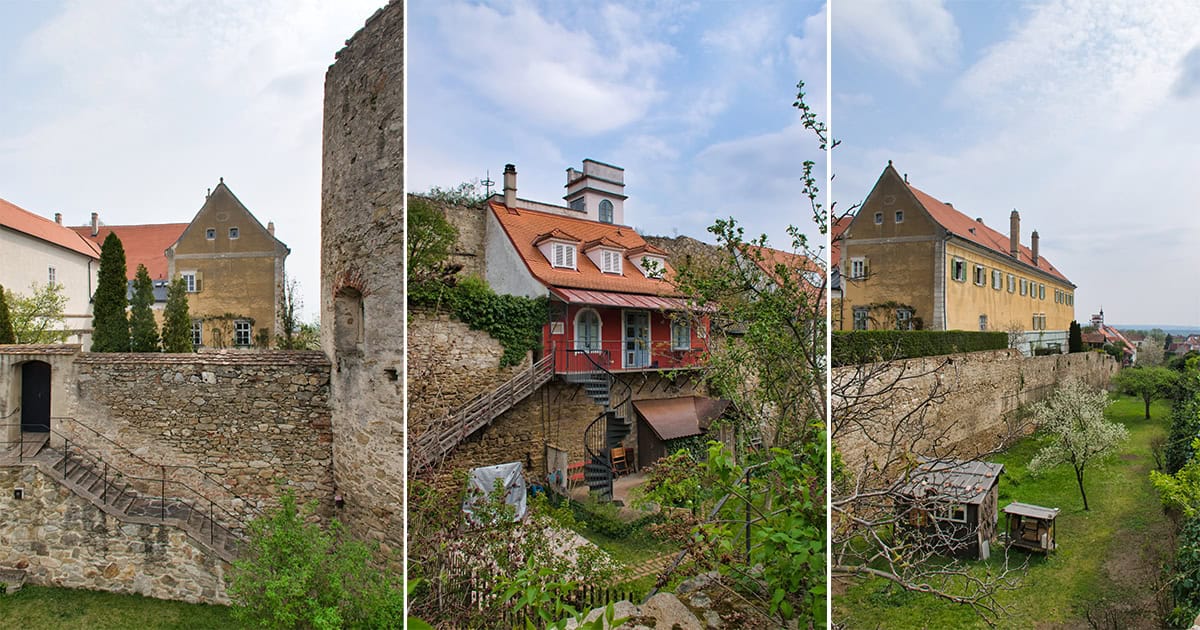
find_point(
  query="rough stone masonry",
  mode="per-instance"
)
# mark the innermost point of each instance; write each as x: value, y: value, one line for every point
x: 362, y: 273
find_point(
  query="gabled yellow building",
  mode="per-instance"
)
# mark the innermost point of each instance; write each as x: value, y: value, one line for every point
x: 910, y: 261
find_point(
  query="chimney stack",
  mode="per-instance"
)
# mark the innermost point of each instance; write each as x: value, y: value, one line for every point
x: 1014, y: 234
x: 95, y: 223
x: 1033, y: 245
x: 271, y: 228
x: 58, y: 218
x: 510, y: 185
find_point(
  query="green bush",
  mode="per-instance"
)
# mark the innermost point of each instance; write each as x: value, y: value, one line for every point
x: 602, y: 518
x: 865, y: 346
x: 1186, y: 582
x: 515, y: 321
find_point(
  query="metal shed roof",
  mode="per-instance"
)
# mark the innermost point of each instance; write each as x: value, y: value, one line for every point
x: 952, y: 480
x: 672, y: 418
x: 1034, y: 511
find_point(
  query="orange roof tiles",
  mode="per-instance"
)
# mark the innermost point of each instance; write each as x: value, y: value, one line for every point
x: 969, y: 229
x: 524, y: 227
x: 26, y: 222
x: 144, y: 244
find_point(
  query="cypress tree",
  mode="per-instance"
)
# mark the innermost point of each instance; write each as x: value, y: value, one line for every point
x: 177, y: 323
x: 1075, y: 338
x: 7, y: 335
x: 143, y: 328
x: 110, y: 323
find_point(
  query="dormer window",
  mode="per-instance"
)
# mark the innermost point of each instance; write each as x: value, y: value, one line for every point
x: 653, y: 267
x: 606, y: 211
x: 563, y: 255
x: 610, y: 261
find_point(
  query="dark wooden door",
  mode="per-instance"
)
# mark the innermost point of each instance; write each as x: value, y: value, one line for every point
x: 35, y: 397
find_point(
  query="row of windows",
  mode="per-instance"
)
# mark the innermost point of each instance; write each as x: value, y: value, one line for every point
x: 899, y: 217
x: 862, y: 317
x: 587, y: 332
x: 241, y: 333
x: 1001, y: 281
x: 562, y: 255
x: 211, y: 233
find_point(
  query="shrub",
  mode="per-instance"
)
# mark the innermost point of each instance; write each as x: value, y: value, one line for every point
x: 296, y: 574
x: 864, y: 346
x: 515, y: 321
x: 1186, y: 581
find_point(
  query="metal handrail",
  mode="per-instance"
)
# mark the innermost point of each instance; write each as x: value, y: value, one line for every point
x: 251, y: 506
x: 595, y: 435
x: 97, y: 464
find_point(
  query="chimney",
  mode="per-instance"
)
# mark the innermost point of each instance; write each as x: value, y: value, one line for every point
x: 510, y: 185
x: 1014, y: 234
x: 1033, y: 245
x: 271, y: 228
x: 95, y: 223
x: 58, y: 218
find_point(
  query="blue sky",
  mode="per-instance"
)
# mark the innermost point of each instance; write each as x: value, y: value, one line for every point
x: 1081, y: 115
x: 692, y: 99
x: 134, y: 108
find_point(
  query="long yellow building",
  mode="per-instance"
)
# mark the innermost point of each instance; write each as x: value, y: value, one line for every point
x: 910, y: 261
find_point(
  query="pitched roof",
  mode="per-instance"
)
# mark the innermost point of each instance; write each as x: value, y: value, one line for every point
x: 525, y: 227
x: 21, y: 220
x: 144, y: 244
x: 954, y: 480
x: 835, y: 234
x: 969, y: 229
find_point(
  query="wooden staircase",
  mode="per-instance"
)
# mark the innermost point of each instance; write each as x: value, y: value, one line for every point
x: 431, y: 448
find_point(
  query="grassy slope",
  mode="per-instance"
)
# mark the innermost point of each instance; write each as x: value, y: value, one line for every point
x: 41, y: 607
x: 1108, y: 554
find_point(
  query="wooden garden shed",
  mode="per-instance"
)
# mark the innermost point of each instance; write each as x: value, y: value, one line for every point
x: 662, y: 422
x: 952, y: 505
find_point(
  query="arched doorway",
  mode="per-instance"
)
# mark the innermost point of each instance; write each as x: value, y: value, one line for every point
x: 35, y: 397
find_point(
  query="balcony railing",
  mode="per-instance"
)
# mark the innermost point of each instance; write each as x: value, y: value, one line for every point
x: 623, y: 356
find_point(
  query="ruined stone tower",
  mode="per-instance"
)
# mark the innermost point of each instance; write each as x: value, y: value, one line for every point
x: 362, y: 273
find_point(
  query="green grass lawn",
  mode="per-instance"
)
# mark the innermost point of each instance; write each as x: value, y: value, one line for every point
x: 48, y: 608
x: 1109, y: 556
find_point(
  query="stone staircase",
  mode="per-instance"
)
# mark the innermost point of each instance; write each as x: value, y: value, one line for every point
x: 113, y: 493
x: 431, y: 447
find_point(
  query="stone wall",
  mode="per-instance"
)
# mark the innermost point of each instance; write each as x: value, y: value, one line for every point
x: 248, y: 420
x: 362, y: 272
x: 62, y: 540
x: 449, y: 364
x: 470, y: 223
x: 983, y: 393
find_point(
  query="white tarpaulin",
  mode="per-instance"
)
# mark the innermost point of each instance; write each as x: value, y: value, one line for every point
x: 482, y: 481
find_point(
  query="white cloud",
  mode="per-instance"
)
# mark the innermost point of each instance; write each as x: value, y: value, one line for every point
x: 909, y: 38
x: 552, y: 75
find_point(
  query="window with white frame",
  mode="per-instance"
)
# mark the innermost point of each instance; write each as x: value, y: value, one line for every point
x: 606, y: 211
x: 983, y: 322
x: 233, y: 233
x: 904, y: 319
x: 1012, y: 283
x: 860, y: 318
x: 241, y: 333
x: 610, y: 261
x: 958, y: 270
x: 197, y: 332
x: 953, y: 512
x: 587, y: 330
x: 1041, y: 291
x: 189, y: 281
x: 51, y: 275
x: 210, y: 234
x: 654, y: 267
x: 681, y: 335
x: 858, y: 268
x: 878, y: 218
x: 980, y: 275
x: 997, y: 279
x: 562, y: 255
x: 1024, y: 286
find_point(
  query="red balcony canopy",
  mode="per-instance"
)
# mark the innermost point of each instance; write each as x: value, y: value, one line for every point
x: 623, y: 300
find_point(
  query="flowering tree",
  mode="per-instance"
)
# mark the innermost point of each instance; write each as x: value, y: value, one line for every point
x: 1074, y: 416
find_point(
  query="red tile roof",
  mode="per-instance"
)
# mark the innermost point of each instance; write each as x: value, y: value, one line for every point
x: 144, y: 244
x: 26, y: 222
x: 525, y: 227
x: 835, y: 234
x: 969, y: 229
